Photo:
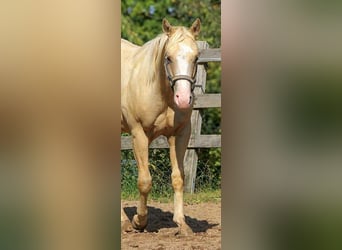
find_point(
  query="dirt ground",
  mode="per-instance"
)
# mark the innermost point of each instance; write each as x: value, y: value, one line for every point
x: 204, y: 219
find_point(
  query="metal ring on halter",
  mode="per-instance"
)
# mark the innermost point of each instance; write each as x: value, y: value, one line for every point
x: 173, y: 79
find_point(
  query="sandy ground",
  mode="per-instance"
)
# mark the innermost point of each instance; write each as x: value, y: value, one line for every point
x: 203, y: 218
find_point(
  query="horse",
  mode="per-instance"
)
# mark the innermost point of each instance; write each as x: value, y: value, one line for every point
x: 157, y: 83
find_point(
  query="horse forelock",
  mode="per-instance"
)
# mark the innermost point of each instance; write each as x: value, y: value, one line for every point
x: 152, y: 53
x: 156, y: 47
x: 179, y: 35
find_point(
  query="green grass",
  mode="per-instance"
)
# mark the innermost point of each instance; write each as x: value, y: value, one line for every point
x: 207, y: 183
x: 198, y: 197
x: 203, y: 196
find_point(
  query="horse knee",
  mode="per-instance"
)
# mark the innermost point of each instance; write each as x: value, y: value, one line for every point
x: 177, y: 182
x: 145, y: 185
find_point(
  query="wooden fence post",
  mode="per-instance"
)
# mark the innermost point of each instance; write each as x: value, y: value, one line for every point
x: 191, y: 157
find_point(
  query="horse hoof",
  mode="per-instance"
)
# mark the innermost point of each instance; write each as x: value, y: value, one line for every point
x: 184, y: 230
x: 126, y: 226
x: 139, y: 223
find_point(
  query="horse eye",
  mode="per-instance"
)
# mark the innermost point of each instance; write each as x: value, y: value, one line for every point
x: 168, y: 58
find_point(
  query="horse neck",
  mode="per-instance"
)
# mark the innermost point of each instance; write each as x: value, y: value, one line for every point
x: 159, y: 78
x: 164, y: 84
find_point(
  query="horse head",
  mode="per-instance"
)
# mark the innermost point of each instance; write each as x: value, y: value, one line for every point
x: 181, y: 55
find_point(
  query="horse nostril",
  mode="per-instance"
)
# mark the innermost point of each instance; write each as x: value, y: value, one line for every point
x: 190, y: 99
x: 177, y: 96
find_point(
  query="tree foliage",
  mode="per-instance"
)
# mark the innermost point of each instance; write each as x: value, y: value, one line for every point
x: 141, y: 20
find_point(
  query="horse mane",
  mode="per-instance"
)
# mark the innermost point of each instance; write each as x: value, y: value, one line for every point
x: 151, y: 55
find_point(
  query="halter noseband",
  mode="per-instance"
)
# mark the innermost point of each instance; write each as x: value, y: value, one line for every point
x: 173, y: 79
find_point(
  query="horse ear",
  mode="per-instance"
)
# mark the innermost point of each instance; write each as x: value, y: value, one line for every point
x: 196, y: 27
x: 167, y: 27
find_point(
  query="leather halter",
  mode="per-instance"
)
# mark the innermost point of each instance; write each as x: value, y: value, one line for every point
x: 173, y: 79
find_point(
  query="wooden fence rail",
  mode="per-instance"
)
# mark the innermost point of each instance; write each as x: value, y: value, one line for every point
x: 202, y: 100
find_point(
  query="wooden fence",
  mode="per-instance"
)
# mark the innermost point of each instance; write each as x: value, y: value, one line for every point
x: 203, y: 100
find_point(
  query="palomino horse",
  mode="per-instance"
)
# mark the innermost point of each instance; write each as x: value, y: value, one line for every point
x: 157, y: 82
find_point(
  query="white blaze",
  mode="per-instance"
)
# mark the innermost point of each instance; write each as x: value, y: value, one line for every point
x: 182, y: 94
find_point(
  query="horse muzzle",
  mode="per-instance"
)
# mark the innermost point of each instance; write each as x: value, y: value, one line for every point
x: 183, y: 96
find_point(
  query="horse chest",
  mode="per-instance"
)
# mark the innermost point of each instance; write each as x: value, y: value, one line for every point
x: 156, y: 125
x: 167, y: 123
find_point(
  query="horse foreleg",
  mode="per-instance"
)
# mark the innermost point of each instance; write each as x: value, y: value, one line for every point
x: 140, y: 147
x: 178, y: 145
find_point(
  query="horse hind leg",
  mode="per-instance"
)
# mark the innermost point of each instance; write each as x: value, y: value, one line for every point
x: 140, y: 146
